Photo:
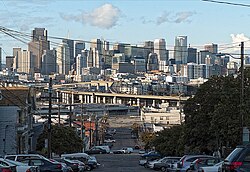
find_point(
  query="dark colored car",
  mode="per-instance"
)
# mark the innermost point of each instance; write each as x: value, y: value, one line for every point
x: 151, y: 154
x: 96, y: 150
x: 74, y: 165
x: 5, y: 169
x: 45, y: 165
x: 238, y: 160
x: 166, y: 163
x: 203, y: 162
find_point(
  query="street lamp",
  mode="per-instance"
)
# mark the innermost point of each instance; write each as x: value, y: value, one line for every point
x: 244, y: 138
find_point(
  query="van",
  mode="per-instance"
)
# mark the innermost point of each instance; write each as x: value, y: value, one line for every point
x: 106, y: 148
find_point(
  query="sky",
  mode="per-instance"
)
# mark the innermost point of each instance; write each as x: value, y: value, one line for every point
x: 129, y: 21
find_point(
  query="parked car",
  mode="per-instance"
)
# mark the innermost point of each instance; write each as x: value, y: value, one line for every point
x: 21, y: 157
x: 89, y: 161
x: 118, y: 151
x: 142, y: 151
x: 238, y: 160
x: 75, y: 166
x: 20, y: 167
x: 151, y: 154
x: 5, y: 168
x: 128, y: 150
x: 96, y: 150
x: 45, y: 165
x: 215, y: 168
x: 11, y: 166
x: 165, y: 163
x: 203, y: 162
x: 184, y: 164
x: 145, y: 159
x: 105, y: 147
x: 109, y: 141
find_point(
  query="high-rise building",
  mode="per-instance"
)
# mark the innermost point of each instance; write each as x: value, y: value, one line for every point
x: 38, y: 44
x: 160, y: 50
x: 63, y: 59
x: 49, y: 62
x: 192, y: 55
x: 79, y: 46
x: 213, y: 48
x: 71, y: 51
x: 10, y: 63
x: 96, y: 47
x: 16, y: 55
x: 180, y: 50
x: 25, y: 62
x: 148, y: 48
x: 152, y: 63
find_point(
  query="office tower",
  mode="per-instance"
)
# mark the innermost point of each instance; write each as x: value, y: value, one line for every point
x: 180, y: 50
x: 160, y: 50
x: 16, y: 55
x: 81, y: 62
x: 106, y: 45
x: 49, y: 62
x: 139, y: 64
x: 79, y: 46
x: 96, y: 47
x: 192, y: 55
x: 10, y: 63
x: 152, y: 63
x: 25, y: 62
x: 202, y: 56
x: 119, y: 47
x: 38, y: 44
x: 213, y: 48
x: 63, y: 59
x: 148, y: 48
x: 71, y: 51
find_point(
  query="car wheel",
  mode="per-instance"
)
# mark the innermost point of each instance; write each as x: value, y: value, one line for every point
x: 88, y: 168
x: 163, y: 169
x: 100, y: 152
x: 146, y: 165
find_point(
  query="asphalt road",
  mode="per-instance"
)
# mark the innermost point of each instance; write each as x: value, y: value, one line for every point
x: 121, y: 162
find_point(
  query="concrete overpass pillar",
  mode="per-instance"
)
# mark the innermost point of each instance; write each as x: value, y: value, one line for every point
x: 138, y: 102
x: 106, y: 87
x: 154, y: 103
x: 92, y: 98
x: 81, y: 98
x: 114, y: 100
x: 98, y: 87
x: 104, y: 100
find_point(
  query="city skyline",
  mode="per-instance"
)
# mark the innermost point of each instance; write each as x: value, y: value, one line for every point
x: 130, y: 22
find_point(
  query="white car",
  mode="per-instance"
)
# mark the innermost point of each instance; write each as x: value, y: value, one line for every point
x: 20, y: 167
x: 215, y: 168
x: 109, y: 141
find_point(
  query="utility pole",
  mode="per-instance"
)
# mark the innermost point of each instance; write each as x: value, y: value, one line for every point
x: 49, y: 119
x: 70, y: 110
x: 242, y: 81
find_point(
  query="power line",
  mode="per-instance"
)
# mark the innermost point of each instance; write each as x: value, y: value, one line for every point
x: 228, y: 3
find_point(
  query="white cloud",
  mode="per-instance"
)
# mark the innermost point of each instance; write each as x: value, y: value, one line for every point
x: 105, y: 17
x: 179, y: 17
x: 237, y: 39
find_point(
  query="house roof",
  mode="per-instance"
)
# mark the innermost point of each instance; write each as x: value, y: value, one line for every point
x: 14, y: 96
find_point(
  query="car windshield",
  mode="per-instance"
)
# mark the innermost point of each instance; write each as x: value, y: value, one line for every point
x: 233, y: 154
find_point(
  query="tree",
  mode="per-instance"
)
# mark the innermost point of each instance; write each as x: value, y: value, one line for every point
x: 63, y: 140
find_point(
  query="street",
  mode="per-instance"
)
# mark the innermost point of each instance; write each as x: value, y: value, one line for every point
x: 121, y: 162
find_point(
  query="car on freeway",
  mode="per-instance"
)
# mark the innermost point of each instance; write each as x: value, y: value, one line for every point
x: 44, y: 164
x: 109, y: 141
x: 238, y: 160
x: 184, y: 164
x: 95, y: 150
x: 5, y: 168
x: 19, y: 167
x: 215, y: 168
x: 165, y: 163
x: 203, y: 162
